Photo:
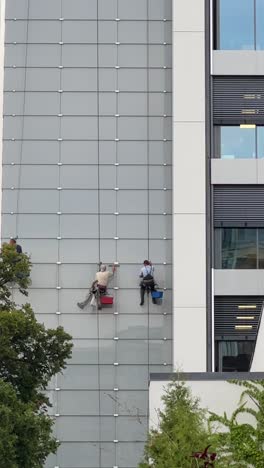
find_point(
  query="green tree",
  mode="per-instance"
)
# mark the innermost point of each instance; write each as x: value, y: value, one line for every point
x: 241, y: 444
x: 25, y: 435
x: 14, y: 269
x: 30, y: 355
x: 181, y: 432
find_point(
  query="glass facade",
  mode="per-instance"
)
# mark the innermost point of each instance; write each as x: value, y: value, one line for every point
x: 87, y: 178
x: 239, y: 248
x: 234, y: 356
x: 235, y: 142
x: 239, y: 24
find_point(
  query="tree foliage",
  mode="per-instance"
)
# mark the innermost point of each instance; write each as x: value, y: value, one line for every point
x: 14, y: 269
x: 25, y: 435
x: 181, y: 432
x: 242, y: 444
x: 30, y: 355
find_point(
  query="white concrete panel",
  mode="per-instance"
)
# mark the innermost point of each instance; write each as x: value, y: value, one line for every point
x: 189, y: 77
x: 258, y: 362
x: 238, y: 62
x: 2, y: 52
x: 189, y: 334
x: 189, y: 167
x: 216, y: 396
x: 260, y: 171
x: 188, y: 15
x: 239, y: 282
x: 235, y: 171
x: 189, y: 261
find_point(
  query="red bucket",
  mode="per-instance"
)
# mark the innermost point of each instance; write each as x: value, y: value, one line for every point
x: 107, y: 300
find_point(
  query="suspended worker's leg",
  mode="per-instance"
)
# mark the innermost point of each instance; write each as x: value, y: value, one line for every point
x: 142, y: 293
x: 152, y: 288
x: 86, y: 301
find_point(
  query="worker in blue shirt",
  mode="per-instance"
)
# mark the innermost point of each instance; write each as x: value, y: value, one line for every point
x: 147, y: 282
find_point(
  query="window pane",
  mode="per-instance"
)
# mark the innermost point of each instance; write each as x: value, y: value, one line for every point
x: 261, y: 248
x: 236, y: 24
x: 239, y: 248
x: 260, y: 142
x: 259, y: 24
x: 235, y: 355
x: 237, y: 142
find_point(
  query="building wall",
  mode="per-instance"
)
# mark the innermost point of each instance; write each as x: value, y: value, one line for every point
x: 189, y: 185
x: 87, y: 178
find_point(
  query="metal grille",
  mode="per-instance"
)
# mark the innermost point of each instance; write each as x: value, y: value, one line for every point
x: 237, y: 316
x: 238, y: 100
x: 239, y: 206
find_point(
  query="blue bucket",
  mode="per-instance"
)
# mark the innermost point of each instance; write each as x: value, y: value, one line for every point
x: 157, y: 294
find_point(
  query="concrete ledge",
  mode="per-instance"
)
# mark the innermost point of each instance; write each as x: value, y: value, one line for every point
x: 238, y: 282
x: 237, y: 171
x: 197, y: 376
x: 238, y: 62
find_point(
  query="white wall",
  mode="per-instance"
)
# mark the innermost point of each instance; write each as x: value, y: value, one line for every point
x: 216, y: 396
x: 189, y: 184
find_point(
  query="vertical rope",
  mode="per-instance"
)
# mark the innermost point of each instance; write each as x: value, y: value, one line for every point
x: 22, y: 127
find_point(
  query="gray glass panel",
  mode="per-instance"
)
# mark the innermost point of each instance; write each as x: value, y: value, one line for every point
x: 108, y: 201
x: 43, y: 301
x: 108, y: 177
x: 108, y: 226
x: 132, y: 377
x: 237, y: 142
x: 16, y: 31
x: 132, y: 403
x: 9, y: 201
x: 160, y: 250
x: 79, y: 32
x: 80, y: 55
x: 79, y: 9
x: 131, y: 428
x: 133, y: 201
x: 79, y: 226
x: 107, y: 55
x: 37, y: 32
x: 108, y: 379
x: 107, y: 152
x: 159, y: 202
x: 48, y: 9
x: 160, y: 55
x: 44, y: 276
x: 129, y: 327
x: 14, y: 78
x: 132, y: 79
x: 132, y: 55
x: 131, y: 251
x: 160, y: 9
x: 107, y: 128
x: 8, y: 226
x: 132, y: 128
x: 128, y: 275
x: 127, y: 301
x: 79, y: 377
x: 132, y: 32
x: 132, y: 177
x: 81, y: 252
x: 160, y: 103
x: 132, y: 351
x: 48, y: 320
x: 79, y: 128
x: 107, y: 9
x: 160, y: 177
x: 43, y: 80
x: 236, y: 25
x: 108, y: 80
x: 133, y: 10
x: 39, y: 201
x: 79, y: 79
x: 69, y: 297
x: 160, y: 152
x: 160, y: 226
x: 159, y: 32
x: 159, y: 326
x: 16, y: 9
x: 78, y: 403
x: 107, y: 104
x: 77, y: 429
x: 160, y: 352
x: 132, y: 226
x: 36, y: 152
x: 10, y: 176
x: 159, y: 128
x: 108, y: 454
x: 79, y: 104
x: 132, y: 104
x: 132, y: 152
x: 15, y: 55
x: 78, y: 455
x: 41, y: 252
x: 41, y: 128
x: 43, y: 55
x: 107, y: 32
x: 79, y: 177
x: 39, y: 176
x: 79, y: 152
x: 160, y: 80
x: 108, y: 251
x: 128, y: 452
x: 13, y: 103
x: 77, y: 276
x: 33, y: 226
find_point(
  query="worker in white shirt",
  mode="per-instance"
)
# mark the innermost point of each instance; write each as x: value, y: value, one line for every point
x: 147, y: 282
x: 99, y: 285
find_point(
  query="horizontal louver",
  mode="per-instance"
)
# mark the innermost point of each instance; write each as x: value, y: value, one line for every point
x: 239, y: 206
x: 237, y: 316
x: 238, y: 100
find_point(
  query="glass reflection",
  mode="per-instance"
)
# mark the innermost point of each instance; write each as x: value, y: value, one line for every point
x: 260, y: 142
x: 259, y: 24
x: 239, y: 248
x: 236, y: 19
x: 234, y: 356
x: 261, y: 248
x: 238, y: 142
